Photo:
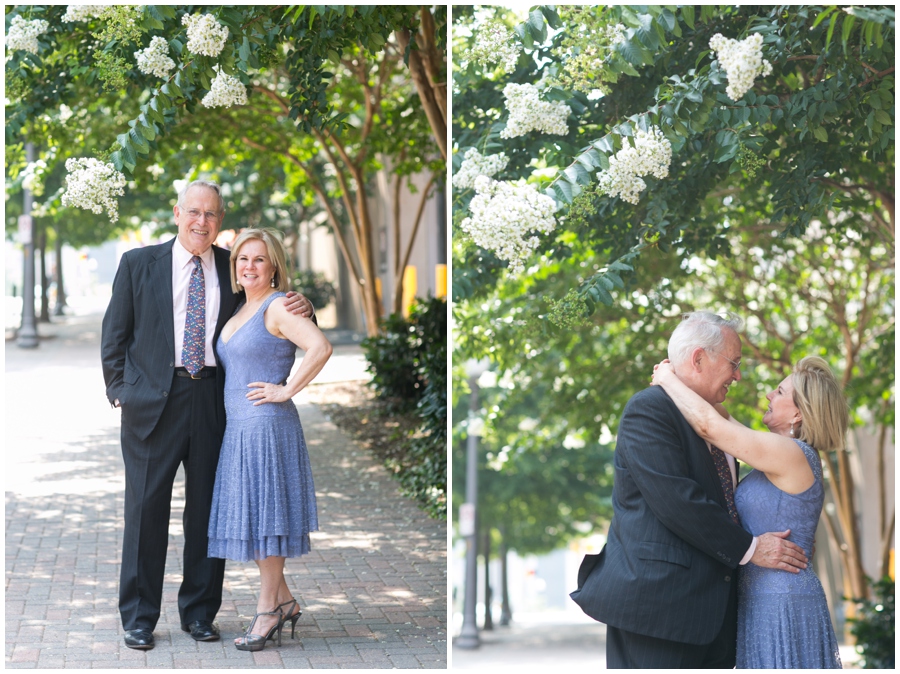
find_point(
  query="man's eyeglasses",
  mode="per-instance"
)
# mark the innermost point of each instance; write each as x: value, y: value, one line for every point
x: 734, y: 366
x: 195, y: 214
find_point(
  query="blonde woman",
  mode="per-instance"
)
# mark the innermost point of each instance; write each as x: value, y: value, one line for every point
x: 264, y: 502
x: 783, y: 619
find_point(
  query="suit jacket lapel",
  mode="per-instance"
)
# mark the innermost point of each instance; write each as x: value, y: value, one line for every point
x: 161, y: 278
x: 226, y: 296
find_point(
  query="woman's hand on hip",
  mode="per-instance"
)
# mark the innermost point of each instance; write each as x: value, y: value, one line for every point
x: 264, y: 392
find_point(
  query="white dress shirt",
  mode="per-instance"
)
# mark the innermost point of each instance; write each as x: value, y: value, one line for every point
x: 181, y: 277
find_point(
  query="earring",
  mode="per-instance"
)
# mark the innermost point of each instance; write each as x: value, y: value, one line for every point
x: 792, y: 429
x: 272, y: 284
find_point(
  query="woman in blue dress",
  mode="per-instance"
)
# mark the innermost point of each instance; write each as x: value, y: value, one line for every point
x: 783, y: 618
x: 264, y: 502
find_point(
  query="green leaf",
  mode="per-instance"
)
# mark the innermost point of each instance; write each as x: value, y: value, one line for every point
x: 849, y: 20
x: 687, y: 13
x: 821, y: 134
x: 244, y: 51
x: 831, y: 26
x: 536, y: 21
x: 822, y: 16
x: 551, y: 16
x: 884, y: 118
x: 140, y: 143
x: 601, y: 294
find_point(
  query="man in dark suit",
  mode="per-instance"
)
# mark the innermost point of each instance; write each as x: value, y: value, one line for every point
x: 665, y: 582
x: 171, y: 414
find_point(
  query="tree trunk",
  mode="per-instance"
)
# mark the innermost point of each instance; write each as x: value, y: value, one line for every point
x: 45, y: 280
x: 505, y: 611
x: 432, y: 91
x: 488, y: 617
x: 60, y: 287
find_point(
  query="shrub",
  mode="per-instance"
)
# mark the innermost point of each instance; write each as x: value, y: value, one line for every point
x: 317, y: 289
x: 408, y: 362
x: 873, y: 627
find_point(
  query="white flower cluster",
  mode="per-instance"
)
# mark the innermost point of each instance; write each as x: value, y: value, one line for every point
x: 651, y: 154
x: 614, y: 34
x: 93, y: 185
x: 33, y: 177
x: 154, y: 60
x: 527, y: 112
x: 495, y: 44
x: 24, y: 34
x: 225, y: 91
x: 474, y: 165
x: 505, y: 217
x: 205, y: 35
x: 742, y: 61
x: 84, y: 12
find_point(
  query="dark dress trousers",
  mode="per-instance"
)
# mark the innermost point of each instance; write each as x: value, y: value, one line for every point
x: 668, y: 569
x: 166, y: 421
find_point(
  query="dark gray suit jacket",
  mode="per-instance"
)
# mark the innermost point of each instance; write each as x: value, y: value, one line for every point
x: 138, y: 337
x: 669, y: 562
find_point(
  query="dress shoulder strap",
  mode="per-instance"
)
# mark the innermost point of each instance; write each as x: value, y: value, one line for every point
x: 271, y: 298
x: 812, y: 456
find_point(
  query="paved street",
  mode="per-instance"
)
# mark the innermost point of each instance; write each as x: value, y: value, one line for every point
x: 373, y: 590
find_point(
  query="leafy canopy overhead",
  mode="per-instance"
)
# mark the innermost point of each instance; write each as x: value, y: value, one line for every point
x: 813, y: 135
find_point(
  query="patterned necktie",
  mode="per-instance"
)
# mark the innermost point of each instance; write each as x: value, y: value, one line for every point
x: 727, y: 481
x: 193, y: 351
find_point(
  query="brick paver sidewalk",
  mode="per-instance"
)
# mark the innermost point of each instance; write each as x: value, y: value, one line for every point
x: 373, y: 590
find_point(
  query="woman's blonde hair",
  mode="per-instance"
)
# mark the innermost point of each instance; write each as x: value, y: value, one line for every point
x: 275, y: 251
x: 818, y: 396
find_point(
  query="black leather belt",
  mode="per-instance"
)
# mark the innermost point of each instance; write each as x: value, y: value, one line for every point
x: 203, y: 374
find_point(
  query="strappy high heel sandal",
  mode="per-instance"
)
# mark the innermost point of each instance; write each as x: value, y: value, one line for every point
x: 257, y: 642
x: 287, y: 613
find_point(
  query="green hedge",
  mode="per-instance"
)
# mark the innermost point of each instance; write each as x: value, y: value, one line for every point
x: 408, y: 363
x: 873, y: 626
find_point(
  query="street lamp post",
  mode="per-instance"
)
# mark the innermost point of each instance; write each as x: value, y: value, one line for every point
x: 468, y: 518
x: 27, y: 337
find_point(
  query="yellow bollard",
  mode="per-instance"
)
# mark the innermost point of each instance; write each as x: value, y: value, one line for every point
x: 440, y: 281
x: 409, y: 289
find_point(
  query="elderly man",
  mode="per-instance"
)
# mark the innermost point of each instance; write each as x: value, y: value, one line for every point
x: 665, y: 583
x: 168, y: 305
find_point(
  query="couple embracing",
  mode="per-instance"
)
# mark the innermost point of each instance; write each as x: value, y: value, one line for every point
x: 698, y: 571
x: 197, y: 348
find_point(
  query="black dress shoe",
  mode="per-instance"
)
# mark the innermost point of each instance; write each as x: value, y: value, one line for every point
x: 202, y: 630
x: 140, y: 639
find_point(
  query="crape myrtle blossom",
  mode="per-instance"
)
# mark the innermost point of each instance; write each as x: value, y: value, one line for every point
x: 24, y: 34
x: 474, y: 165
x: 84, y: 12
x: 225, y: 91
x: 527, y: 112
x: 33, y: 176
x: 93, y: 185
x: 742, y: 62
x: 206, y: 36
x: 505, y: 217
x: 495, y: 44
x: 154, y: 60
x: 650, y: 155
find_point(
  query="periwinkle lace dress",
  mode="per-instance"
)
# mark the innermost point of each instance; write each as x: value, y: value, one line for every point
x: 264, y: 501
x: 783, y: 619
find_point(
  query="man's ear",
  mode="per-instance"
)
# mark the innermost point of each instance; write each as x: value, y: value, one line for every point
x: 697, y: 357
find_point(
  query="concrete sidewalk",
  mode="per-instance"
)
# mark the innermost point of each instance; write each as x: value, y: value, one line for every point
x: 530, y: 642
x: 373, y: 590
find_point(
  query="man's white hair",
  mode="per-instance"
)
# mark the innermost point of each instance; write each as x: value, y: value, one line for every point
x: 208, y: 184
x: 701, y: 329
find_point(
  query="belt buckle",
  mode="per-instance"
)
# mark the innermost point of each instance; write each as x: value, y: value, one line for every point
x: 196, y: 376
